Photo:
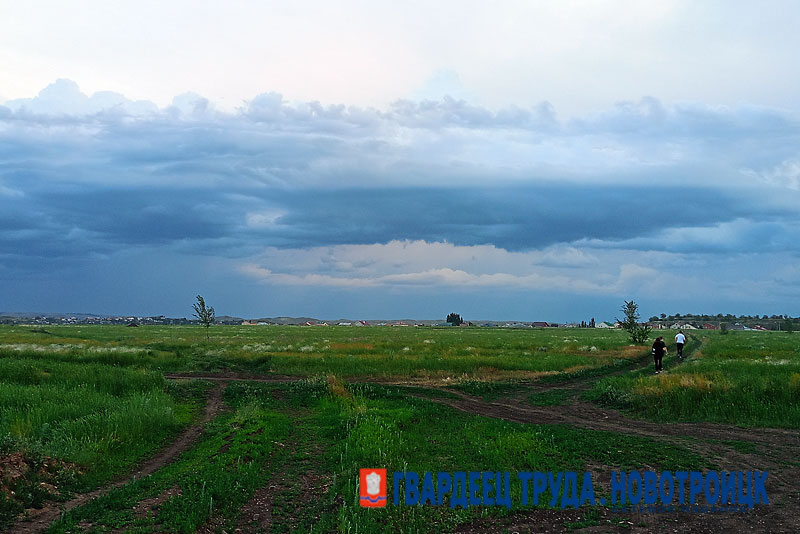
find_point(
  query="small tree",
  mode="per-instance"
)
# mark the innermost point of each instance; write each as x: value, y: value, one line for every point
x: 638, y: 332
x: 788, y: 326
x: 723, y: 328
x: 203, y: 314
x: 454, y: 319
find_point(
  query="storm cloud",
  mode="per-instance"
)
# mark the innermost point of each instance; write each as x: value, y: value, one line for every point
x: 90, y: 178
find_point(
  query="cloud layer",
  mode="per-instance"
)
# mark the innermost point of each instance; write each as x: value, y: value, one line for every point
x: 437, y: 194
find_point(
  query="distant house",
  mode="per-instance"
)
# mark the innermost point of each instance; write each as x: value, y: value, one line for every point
x: 344, y: 324
x: 709, y: 326
x: 539, y: 324
x: 738, y: 326
x: 760, y: 328
x: 602, y: 324
x: 133, y: 324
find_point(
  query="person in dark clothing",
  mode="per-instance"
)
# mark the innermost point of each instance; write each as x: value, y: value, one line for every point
x: 659, y: 351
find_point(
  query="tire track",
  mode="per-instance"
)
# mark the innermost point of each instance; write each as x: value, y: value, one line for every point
x: 291, y: 494
x: 39, y: 520
x: 776, y: 446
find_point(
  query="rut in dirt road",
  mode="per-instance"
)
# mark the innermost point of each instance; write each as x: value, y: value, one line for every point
x: 290, y: 498
x: 780, y: 443
x: 582, y: 414
x: 232, y: 376
x: 39, y: 520
x: 775, y: 449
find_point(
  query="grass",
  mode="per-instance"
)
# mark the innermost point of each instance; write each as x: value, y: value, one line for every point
x: 332, y: 429
x: 488, y: 390
x: 737, y: 445
x: 425, y: 353
x: 67, y: 427
x: 742, y: 378
x: 386, y: 429
x: 91, y: 415
x: 90, y: 401
x: 214, y: 478
x: 555, y: 397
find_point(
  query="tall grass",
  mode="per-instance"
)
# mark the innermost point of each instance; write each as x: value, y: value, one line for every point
x: 100, y: 417
x: 216, y: 477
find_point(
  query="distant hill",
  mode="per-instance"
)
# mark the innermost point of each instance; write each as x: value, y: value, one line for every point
x: 25, y: 315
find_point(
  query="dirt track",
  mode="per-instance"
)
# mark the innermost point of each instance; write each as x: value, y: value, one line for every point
x: 39, y: 520
x: 294, y: 482
x: 773, y: 447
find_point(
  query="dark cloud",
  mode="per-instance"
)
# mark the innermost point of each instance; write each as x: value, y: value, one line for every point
x: 514, y: 218
x: 85, y: 177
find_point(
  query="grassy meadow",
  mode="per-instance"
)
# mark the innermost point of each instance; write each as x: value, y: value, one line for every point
x: 330, y: 431
x: 81, y: 405
x: 744, y: 378
x: 67, y: 427
x: 422, y: 353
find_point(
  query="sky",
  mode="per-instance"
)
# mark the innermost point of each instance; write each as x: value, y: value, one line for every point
x: 520, y: 160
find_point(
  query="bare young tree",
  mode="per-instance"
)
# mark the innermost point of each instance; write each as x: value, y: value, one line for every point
x: 204, y: 314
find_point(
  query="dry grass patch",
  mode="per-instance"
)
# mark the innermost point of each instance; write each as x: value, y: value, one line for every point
x: 664, y: 384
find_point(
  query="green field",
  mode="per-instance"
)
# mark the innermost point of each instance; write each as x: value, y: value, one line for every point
x: 745, y: 378
x: 423, y: 353
x: 352, y: 428
x: 81, y: 406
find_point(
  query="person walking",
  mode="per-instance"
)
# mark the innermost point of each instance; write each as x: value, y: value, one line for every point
x: 680, y: 340
x: 659, y: 350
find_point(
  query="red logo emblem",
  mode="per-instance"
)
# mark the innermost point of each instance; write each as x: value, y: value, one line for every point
x: 373, y: 488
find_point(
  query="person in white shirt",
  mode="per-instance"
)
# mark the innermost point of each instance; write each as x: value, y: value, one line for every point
x: 680, y: 340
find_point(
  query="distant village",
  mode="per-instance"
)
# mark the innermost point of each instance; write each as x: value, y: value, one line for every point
x: 674, y: 322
